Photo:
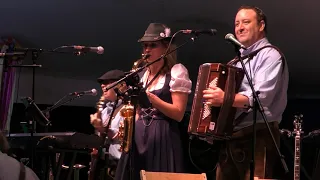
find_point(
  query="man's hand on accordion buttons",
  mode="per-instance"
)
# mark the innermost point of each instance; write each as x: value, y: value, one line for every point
x: 213, y: 96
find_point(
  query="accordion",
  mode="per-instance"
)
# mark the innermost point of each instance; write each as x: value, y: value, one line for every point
x: 215, y: 123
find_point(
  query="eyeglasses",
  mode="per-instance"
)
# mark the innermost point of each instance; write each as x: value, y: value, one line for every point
x: 151, y: 45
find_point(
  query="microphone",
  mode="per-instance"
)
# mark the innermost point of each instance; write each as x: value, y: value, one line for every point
x: 12, y: 54
x: 92, y: 92
x: 230, y: 37
x: 98, y: 50
x: 210, y: 32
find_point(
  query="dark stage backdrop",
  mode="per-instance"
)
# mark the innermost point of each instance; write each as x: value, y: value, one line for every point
x: 76, y: 119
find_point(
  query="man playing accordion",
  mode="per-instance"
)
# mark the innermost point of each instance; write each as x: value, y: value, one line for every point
x: 269, y: 74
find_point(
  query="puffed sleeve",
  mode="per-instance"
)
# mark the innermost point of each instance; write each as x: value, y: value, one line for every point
x: 180, y: 81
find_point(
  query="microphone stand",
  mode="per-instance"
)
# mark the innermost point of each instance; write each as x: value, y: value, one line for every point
x: 257, y: 106
x: 136, y: 90
x: 35, y: 55
x: 32, y: 121
x: 57, y: 104
x: 106, y: 142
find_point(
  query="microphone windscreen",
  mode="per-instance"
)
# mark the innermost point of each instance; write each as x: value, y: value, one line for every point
x: 228, y: 36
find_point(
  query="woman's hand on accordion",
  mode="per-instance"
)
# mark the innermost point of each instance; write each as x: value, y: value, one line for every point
x: 213, y: 96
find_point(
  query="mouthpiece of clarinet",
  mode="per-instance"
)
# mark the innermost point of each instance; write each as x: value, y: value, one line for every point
x: 145, y: 56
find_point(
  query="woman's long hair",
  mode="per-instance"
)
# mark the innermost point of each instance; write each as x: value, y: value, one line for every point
x: 171, y: 59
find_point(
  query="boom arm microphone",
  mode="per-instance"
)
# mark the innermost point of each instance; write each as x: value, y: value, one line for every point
x: 98, y: 50
x: 210, y: 32
x: 230, y: 37
x: 92, y: 92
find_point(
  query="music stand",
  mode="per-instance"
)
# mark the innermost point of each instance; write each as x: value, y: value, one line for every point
x: 33, y: 110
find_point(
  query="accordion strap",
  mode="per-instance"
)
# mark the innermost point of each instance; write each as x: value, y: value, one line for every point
x: 254, y: 53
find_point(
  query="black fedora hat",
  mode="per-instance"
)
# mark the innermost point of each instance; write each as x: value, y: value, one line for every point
x: 111, y: 76
x: 156, y: 32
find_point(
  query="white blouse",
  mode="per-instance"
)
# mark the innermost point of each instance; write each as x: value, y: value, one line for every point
x: 180, y: 81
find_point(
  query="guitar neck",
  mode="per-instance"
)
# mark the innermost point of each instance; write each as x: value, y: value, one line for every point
x: 95, y: 156
x: 297, y: 156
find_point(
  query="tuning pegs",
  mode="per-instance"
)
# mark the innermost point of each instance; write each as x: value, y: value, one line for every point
x: 286, y: 132
x: 298, y: 116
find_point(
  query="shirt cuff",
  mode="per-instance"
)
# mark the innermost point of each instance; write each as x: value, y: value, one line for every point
x: 248, y: 94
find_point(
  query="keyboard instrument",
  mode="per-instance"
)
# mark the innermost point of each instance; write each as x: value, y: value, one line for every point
x: 68, y: 140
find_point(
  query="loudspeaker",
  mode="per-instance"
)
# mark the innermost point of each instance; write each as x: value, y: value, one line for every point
x: 144, y: 175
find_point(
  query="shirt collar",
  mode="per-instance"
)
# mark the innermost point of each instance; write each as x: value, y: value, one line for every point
x: 111, y: 103
x: 255, y: 46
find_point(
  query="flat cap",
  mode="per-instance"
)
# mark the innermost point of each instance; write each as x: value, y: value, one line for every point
x: 113, y: 75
